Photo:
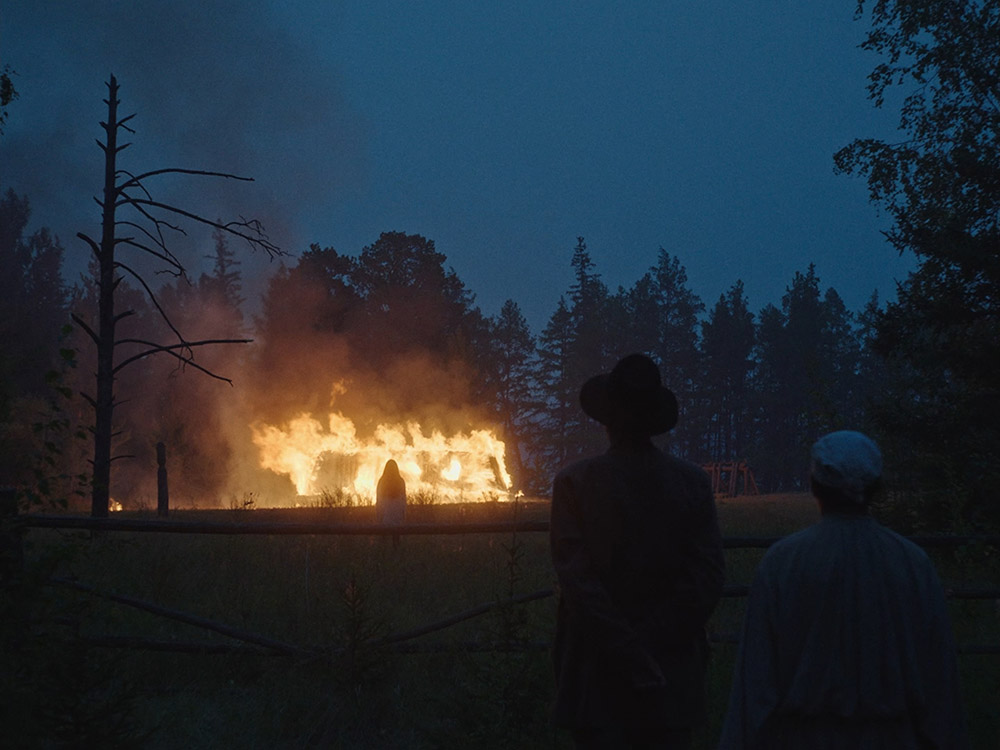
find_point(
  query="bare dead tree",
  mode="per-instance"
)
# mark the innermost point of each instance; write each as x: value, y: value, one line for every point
x: 144, y: 230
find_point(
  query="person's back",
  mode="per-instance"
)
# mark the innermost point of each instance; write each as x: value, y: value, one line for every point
x: 846, y: 641
x: 647, y: 522
x: 390, y: 496
x: 637, y: 550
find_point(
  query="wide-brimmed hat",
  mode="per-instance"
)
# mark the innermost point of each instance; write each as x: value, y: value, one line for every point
x: 631, y: 396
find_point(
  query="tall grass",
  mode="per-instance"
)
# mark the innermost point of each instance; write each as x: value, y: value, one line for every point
x: 484, y: 682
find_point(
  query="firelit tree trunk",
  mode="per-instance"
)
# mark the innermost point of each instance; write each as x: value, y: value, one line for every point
x: 104, y: 405
x: 148, y: 225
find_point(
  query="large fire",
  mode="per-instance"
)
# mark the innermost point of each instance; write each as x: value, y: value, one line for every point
x: 464, y: 467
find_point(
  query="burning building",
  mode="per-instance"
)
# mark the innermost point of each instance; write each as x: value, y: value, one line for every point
x: 333, y: 457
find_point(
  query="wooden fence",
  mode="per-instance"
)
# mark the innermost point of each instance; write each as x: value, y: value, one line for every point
x: 14, y: 526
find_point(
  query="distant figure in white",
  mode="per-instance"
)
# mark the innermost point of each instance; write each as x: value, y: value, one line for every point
x: 390, y: 498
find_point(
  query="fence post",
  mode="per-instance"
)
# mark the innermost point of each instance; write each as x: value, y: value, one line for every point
x: 11, y: 532
x: 162, y: 496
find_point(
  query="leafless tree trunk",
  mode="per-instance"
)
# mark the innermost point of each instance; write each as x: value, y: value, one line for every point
x: 124, y: 190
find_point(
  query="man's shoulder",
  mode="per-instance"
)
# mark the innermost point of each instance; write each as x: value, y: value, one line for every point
x: 685, y: 468
x: 802, y: 539
x: 609, y: 461
x: 905, y: 547
x: 578, y: 468
x: 864, y: 533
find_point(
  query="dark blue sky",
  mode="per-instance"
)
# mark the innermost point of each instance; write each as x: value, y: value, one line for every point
x: 502, y: 131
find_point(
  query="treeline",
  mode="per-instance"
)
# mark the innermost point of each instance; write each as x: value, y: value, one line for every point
x: 759, y: 387
x: 752, y: 386
x: 47, y: 369
x: 393, y: 335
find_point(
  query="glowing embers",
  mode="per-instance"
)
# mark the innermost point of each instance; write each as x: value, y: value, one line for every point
x: 461, y: 468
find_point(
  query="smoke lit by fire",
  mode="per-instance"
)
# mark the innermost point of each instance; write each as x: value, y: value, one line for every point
x: 318, y: 409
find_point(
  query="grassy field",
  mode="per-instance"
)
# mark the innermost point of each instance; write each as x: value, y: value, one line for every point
x: 485, y: 680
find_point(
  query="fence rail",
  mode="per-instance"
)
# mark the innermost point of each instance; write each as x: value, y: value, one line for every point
x: 274, y: 529
x: 141, y: 525
x: 15, y: 524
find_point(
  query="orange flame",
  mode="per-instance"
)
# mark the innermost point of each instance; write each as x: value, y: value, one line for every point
x: 462, y: 467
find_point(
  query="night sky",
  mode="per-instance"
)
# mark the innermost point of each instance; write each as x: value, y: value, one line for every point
x: 502, y: 131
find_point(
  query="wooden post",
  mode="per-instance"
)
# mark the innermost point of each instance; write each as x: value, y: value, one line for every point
x: 11, y: 547
x: 162, y: 495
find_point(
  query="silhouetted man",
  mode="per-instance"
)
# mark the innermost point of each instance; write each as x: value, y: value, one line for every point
x: 846, y: 639
x: 638, y: 554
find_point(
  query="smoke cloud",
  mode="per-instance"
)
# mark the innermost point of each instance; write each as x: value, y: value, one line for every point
x: 214, y: 85
x: 299, y: 364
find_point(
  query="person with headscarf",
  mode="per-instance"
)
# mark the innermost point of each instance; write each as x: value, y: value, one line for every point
x: 390, y: 498
x: 846, y: 639
x: 636, y: 548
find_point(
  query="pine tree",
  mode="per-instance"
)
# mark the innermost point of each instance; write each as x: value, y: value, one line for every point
x: 676, y: 347
x: 807, y: 361
x: 33, y: 302
x: 222, y: 289
x: 559, y: 386
x: 513, y: 365
x: 591, y: 348
x: 727, y: 345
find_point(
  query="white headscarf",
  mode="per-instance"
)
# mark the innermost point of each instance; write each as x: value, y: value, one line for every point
x: 848, y: 461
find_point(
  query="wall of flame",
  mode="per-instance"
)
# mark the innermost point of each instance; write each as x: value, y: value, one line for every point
x: 317, y: 458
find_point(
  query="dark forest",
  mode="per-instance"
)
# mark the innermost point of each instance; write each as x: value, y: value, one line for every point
x: 388, y: 334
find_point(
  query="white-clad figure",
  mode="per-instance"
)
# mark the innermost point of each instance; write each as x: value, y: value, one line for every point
x: 390, y: 498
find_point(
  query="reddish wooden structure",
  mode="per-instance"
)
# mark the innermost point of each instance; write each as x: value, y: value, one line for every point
x: 731, y: 478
